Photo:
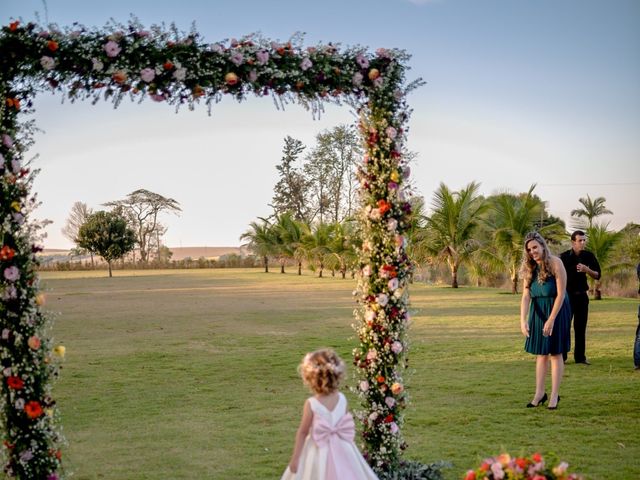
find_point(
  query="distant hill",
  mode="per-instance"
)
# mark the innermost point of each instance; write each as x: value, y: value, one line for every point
x: 179, y: 253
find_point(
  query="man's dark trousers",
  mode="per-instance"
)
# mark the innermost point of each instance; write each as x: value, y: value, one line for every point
x: 580, y: 309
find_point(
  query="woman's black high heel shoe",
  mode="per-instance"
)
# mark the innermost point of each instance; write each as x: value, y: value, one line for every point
x: 540, y: 402
x: 556, y: 407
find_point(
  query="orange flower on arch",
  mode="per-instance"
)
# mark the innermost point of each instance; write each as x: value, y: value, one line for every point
x: 13, y: 103
x: 52, y: 45
x: 33, y: 409
x: 383, y: 206
x: 13, y: 26
x: 7, y: 253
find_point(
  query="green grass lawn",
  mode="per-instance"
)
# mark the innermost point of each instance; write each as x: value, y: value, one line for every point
x: 192, y: 375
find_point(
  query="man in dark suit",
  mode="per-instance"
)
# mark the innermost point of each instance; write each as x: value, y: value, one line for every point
x: 579, y: 263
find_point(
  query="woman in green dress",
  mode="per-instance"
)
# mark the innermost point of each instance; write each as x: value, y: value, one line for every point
x: 545, y: 315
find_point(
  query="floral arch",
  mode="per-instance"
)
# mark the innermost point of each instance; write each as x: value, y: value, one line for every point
x: 120, y: 61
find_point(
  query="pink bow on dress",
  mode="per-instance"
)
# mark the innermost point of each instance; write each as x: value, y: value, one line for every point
x: 326, y: 435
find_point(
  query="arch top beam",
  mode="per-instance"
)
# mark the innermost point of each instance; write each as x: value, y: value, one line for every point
x: 181, y: 68
x: 165, y: 65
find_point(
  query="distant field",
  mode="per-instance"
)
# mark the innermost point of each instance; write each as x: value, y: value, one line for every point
x: 192, y: 375
x: 179, y: 253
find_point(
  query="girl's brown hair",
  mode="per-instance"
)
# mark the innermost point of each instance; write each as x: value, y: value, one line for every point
x: 529, y: 264
x: 322, y: 371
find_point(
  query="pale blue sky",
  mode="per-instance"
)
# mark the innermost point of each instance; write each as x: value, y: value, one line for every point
x: 518, y: 91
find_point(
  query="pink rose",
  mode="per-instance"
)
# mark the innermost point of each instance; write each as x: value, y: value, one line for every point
x: 7, y: 141
x: 253, y: 76
x: 237, y: 58
x: 372, y: 354
x: 12, y: 273
x: 357, y: 79
x: 383, y: 53
x: 362, y: 61
x: 496, y: 469
x: 147, y: 74
x: 263, y: 57
x: 393, y: 427
x: 364, y: 386
x: 382, y: 299
x: 393, y: 284
x: 157, y: 97
x: 392, y: 224
x: 370, y: 316
x: 306, y: 64
x: 391, y: 132
x: 378, y: 82
x: 34, y: 342
x: 47, y: 62
x: 112, y: 49
x: 396, y: 347
x: 217, y: 48
x: 366, y: 271
x: 390, y: 401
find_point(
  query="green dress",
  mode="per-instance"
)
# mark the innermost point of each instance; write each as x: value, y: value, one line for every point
x: 542, y: 298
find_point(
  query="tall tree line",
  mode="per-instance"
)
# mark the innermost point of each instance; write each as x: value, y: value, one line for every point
x: 459, y: 229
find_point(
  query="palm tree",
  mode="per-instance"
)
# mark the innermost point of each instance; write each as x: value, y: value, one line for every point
x: 602, y: 242
x: 342, y: 252
x: 317, y: 245
x: 591, y: 209
x: 510, y: 218
x: 289, y: 233
x: 260, y: 240
x: 451, y: 226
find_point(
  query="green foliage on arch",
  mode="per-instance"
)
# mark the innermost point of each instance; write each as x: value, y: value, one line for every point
x: 128, y: 61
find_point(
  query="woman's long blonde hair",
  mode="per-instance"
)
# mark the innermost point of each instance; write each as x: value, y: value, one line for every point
x: 322, y: 371
x: 529, y: 264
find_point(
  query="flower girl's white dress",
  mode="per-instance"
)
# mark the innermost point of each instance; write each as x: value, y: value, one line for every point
x: 329, y: 451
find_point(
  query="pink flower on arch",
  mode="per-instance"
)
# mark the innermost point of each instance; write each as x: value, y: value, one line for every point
x: 12, y: 273
x: 393, y: 427
x: 382, y: 299
x: 357, y: 79
x: 47, y: 62
x: 112, y: 49
x: 147, y: 74
x: 7, y: 141
x: 237, y: 58
x: 306, y: 64
x: 263, y: 57
x: 362, y: 61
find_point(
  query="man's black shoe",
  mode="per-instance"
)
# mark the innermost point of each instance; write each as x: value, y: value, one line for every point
x: 585, y: 362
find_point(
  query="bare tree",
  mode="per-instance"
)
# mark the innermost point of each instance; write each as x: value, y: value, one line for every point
x: 80, y: 213
x: 142, y: 209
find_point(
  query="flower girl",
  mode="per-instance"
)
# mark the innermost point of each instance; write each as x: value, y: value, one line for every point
x: 324, y: 447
